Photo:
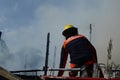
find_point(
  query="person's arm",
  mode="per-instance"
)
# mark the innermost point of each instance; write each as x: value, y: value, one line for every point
x: 63, y: 60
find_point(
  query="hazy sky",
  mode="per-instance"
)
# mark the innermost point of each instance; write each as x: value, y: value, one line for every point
x: 25, y: 24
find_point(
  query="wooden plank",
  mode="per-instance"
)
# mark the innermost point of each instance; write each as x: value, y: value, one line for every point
x: 7, y: 75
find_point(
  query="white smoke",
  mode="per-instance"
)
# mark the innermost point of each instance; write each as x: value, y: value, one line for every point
x: 4, y: 53
x: 26, y: 58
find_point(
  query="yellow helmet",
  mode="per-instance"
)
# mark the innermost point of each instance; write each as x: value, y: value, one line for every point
x: 68, y: 26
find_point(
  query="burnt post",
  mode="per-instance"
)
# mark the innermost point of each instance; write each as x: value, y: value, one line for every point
x: 0, y: 34
x: 90, y: 31
x: 47, y: 54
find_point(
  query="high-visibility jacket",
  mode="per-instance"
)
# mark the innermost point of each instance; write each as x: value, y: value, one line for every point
x: 81, y: 52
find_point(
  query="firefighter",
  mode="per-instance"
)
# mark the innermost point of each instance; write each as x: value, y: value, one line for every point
x: 81, y: 51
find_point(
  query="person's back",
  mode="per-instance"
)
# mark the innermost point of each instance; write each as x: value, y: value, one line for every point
x: 80, y: 50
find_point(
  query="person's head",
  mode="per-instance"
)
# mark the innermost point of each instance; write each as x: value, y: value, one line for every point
x: 69, y: 30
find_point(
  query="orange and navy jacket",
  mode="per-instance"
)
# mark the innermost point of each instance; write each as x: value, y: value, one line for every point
x: 81, y: 52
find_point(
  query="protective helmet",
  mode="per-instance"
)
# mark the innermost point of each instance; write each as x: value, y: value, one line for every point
x: 69, y: 29
x: 68, y: 26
